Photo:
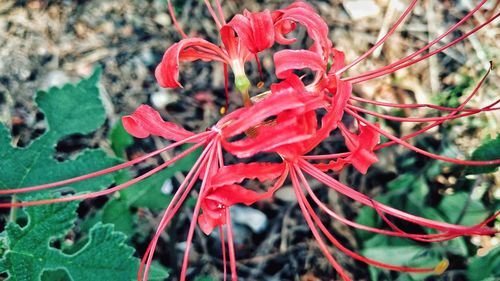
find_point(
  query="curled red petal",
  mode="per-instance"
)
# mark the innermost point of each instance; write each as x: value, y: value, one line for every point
x: 208, y: 223
x: 256, y: 170
x: 190, y: 49
x: 338, y: 61
x: 229, y: 195
x: 267, y: 138
x: 361, y: 146
x: 218, y: 199
x: 300, y: 4
x: 146, y: 121
x: 333, y: 116
x: 283, y: 29
x: 255, y: 30
x: 249, y: 117
x: 317, y: 29
x: 289, y: 60
x: 335, y: 166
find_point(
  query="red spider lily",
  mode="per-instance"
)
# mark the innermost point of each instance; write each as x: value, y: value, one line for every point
x: 283, y: 121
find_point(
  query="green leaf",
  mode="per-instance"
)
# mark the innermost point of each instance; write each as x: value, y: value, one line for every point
x: 403, y: 181
x: 489, y: 150
x: 118, y: 213
x: 407, y: 255
x: 72, y: 109
x: 120, y: 139
x: 156, y: 272
x: 460, y: 206
x: 486, y: 268
x: 29, y: 253
x: 26, y: 251
x: 369, y: 217
x: 397, y: 255
x: 148, y: 193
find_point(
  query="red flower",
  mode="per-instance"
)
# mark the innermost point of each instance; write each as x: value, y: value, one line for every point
x: 283, y: 121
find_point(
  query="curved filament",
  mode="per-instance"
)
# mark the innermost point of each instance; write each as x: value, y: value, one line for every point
x: 378, y: 73
x: 173, y: 207
x: 381, y: 41
x: 105, y: 171
x: 345, y: 250
x: 174, y: 19
x: 312, y: 227
x: 102, y: 192
x: 438, y: 39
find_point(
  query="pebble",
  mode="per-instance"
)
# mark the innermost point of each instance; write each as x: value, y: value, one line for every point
x: 359, y: 9
x: 256, y: 220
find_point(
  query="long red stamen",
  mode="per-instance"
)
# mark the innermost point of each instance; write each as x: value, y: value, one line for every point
x: 454, y: 112
x: 422, y: 119
x: 196, y: 138
x: 424, y: 152
x: 230, y: 245
x: 330, y: 212
x: 412, y: 105
x: 213, y: 14
x: 221, y: 12
x: 429, y: 45
x: 381, y: 41
x: 173, y: 207
x: 103, y: 192
x: 210, y: 165
x: 364, y: 199
x: 363, y: 77
x: 174, y: 19
x: 223, y: 249
x: 317, y: 236
x: 424, y: 129
x: 259, y: 67
x: 345, y: 250
x: 419, y: 150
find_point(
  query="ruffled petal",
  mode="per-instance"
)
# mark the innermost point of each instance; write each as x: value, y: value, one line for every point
x: 361, y: 146
x: 241, y: 120
x: 208, y: 223
x: 255, y: 30
x: 146, y: 121
x: 190, y: 49
x: 338, y: 61
x: 333, y: 116
x: 266, y: 138
x: 229, y: 195
x: 335, y: 166
x: 288, y: 60
x: 317, y: 29
x: 286, y: 26
x: 238, y: 172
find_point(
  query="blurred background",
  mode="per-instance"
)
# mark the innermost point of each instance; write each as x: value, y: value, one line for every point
x: 50, y: 43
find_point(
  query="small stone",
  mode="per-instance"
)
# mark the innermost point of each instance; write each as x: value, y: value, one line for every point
x: 162, y: 19
x: 286, y: 194
x: 55, y: 78
x: 359, y: 9
x: 253, y: 218
x: 167, y: 187
x: 162, y: 98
